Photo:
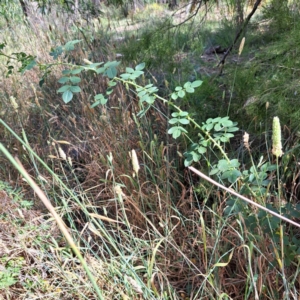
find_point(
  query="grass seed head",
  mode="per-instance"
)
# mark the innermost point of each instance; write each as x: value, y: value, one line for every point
x: 14, y: 104
x: 62, y: 153
x: 246, y: 140
x: 276, y: 138
x: 135, y: 162
x: 242, y: 46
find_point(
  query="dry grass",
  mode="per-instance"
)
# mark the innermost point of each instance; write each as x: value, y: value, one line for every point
x: 145, y: 236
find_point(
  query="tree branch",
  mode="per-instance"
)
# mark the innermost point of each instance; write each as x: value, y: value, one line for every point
x: 242, y: 29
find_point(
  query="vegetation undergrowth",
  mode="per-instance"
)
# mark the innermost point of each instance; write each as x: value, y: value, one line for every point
x: 109, y: 146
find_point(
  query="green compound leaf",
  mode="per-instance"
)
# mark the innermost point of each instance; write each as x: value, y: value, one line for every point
x: 173, y: 121
x: 234, y: 163
x: 129, y: 70
x: 187, y: 85
x: 66, y: 72
x: 191, y: 157
x: 232, y: 129
x: 142, y: 93
x: 111, y: 72
x: 174, y: 96
x: 196, y: 83
x: 112, y: 83
x: 136, y: 74
x: 190, y: 90
x: 223, y: 165
x: 176, y: 131
x: 152, y: 89
x: 100, y: 70
x: 188, y: 161
x: 64, y: 88
x: 93, y: 66
x: 67, y: 96
x: 208, y: 127
x: 140, y: 67
x: 181, y: 93
x: 147, y: 86
x: 226, y: 123
x: 63, y: 80
x: 69, y: 46
x: 29, y: 65
x: 214, y: 171
x: 196, y: 156
x: 56, y: 52
x: 231, y: 175
x: 184, y: 121
x: 76, y: 71
x: 75, y: 79
x: 100, y: 100
x: 201, y: 149
x: 183, y: 114
x: 75, y: 89
x: 218, y: 127
x: 125, y: 76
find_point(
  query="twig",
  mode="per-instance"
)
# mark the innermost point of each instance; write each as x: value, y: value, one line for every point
x: 189, y: 17
x: 242, y: 197
x: 222, y: 61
